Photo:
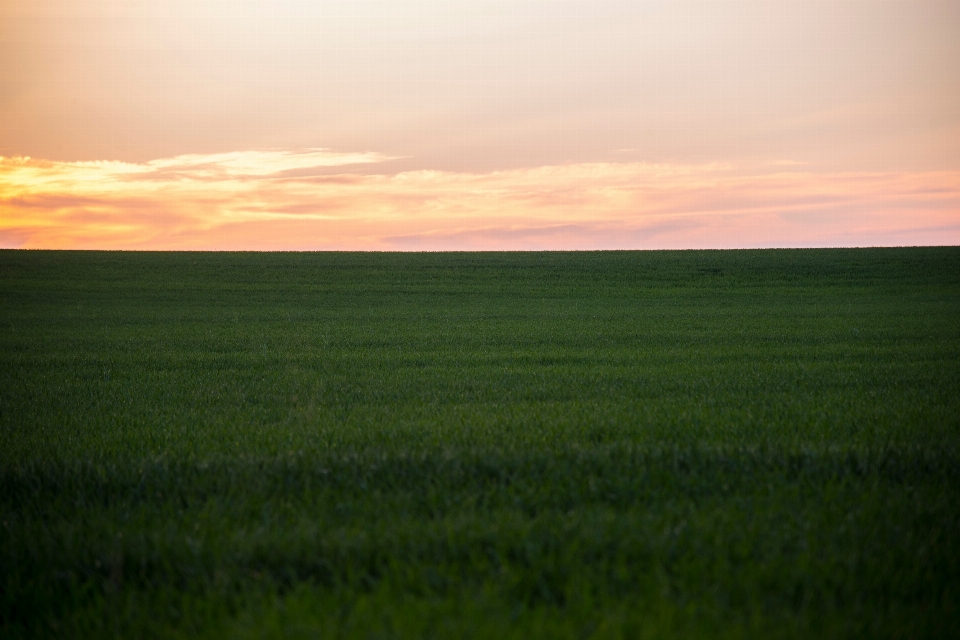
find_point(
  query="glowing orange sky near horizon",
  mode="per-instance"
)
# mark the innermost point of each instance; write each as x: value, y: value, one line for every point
x: 290, y: 200
x: 478, y: 124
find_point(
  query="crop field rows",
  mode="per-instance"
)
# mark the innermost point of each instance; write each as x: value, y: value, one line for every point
x: 557, y: 445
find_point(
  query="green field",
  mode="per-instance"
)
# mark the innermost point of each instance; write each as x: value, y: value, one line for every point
x: 558, y: 445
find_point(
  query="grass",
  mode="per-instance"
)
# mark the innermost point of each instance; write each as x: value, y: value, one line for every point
x: 562, y: 445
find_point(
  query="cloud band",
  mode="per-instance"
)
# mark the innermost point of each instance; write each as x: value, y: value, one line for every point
x: 310, y: 200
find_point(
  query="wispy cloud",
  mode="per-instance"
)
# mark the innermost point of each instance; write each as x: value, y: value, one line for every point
x: 294, y: 200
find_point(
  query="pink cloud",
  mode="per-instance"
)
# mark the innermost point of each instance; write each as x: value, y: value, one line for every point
x: 280, y: 200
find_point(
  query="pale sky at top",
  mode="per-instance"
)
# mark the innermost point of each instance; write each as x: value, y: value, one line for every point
x: 473, y: 87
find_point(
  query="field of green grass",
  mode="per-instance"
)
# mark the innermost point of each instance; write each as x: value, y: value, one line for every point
x: 509, y: 445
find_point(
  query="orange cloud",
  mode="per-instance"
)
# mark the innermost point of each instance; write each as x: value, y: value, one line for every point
x: 310, y: 200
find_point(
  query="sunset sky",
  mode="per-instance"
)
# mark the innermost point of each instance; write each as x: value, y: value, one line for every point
x: 468, y: 124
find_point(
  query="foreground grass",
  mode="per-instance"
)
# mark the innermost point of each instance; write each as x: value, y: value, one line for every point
x: 472, y: 445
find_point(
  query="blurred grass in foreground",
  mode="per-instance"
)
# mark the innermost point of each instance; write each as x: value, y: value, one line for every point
x: 611, y: 444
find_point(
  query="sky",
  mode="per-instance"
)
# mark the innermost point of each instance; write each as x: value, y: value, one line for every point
x: 476, y: 125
